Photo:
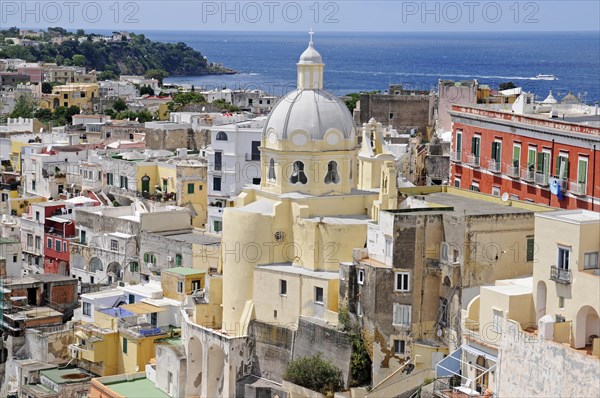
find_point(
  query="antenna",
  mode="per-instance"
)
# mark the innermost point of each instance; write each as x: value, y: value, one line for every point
x: 505, y: 197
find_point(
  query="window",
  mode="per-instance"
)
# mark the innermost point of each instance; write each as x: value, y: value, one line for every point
x: 497, y: 151
x: 256, y: 181
x: 298, y: 175
x: 282, y: 287
x: 218, y: 161
x: 531, y: 155
x: 221, y: 136
x: 458, y: 143
x: 530, y: 248
x: 195, y: 285
x: 134, y: 266
x: 65, y: 247
x: 496, y: 191
x: 563, y: 257
x: 123, y: 182
x: 474, y: 187
x: 109, y: 178
x: 165, y: 184
x: 271, y: 175
x: 543, y: 163
x: 114, y: 245
x: 37, y: 216
x: 590, y: 260
x: 562, y: 166
x: 516, y: 159
x: 87, y: 309
x: 497, y: 321
x: 49, y: 243
x: 149, y: 258
x: 401, y: 315
x: 179, y: 287
x: 319, y: 295
x: 457, y: 182
x: 124, y: 345
x: 332, y: 175
x: 33, y: 185
x: 38, y: 242
x: 399, y: 347
x: 402, y: 283
x: 58, y: 245
x: 178, y: 260
x: 82, y: 237
x: 216, y: 183
x: 582, y: 166
x: 475, y: 146
x: 361, y: 276
x: 561, y: 302
x: 14, y: 258
x: 131, y: 298
x: 190, y: 188
x: 255, y: 152
x: 217, y: 226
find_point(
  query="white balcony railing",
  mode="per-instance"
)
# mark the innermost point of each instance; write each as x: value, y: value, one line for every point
x: 456, y: 157
x: 527, y: 175
x: 494, y: 166
x: 577, y: 188
x: 472, y: 160
x: 541, y: 178
x: 512, y: 171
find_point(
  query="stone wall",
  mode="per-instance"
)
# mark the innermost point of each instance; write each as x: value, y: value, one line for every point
x: 407, y: 111
x: 531, y: 367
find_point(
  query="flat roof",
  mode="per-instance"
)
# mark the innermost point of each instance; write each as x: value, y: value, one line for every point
x: 578, y: 216
x: 185, y: 271
x: 510, y: 290
x: 143, y: 290
x: 120, y: 235
x: 53, y: 278
x: 142, y: 308
x: 288, y: 268
x: 103, y: 294
x: 136, y: 388
x: 470, y: 206
x: 195, y: 238
x: 66, y: 375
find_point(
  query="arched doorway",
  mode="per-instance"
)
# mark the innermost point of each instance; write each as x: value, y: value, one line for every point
x: 194, y: 368
x: 587, y: 326
x: 114, y: 272
x: 145, y: 184
x: 216, y: 371
x: 540, y: 300
x: 481, y: 366
x: 96, y: 264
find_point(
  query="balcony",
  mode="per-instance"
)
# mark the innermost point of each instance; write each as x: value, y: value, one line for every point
x: 512, y: 171
x: 472, y: 160
x: 560, y: 275
x: 494, y: 166
x: 456, y: 157
x: 577, y: 188
x: 541, y: 179
x: 527, y: 175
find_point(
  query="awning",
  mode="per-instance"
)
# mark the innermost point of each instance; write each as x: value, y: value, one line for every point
x: 477, y: 352
x: 58, y: 219
x: 81, y: 335
x: 142, y: 308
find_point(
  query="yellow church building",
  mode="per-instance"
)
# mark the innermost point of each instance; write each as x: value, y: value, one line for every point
x: 283, y: 241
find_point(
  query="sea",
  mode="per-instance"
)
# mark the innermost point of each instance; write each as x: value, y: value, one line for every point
x: 357, y: 62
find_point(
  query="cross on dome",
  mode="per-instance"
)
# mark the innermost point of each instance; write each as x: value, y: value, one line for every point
x: 310, y: 34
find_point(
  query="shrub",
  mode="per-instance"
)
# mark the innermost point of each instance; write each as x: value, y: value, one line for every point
x: 315, y: 373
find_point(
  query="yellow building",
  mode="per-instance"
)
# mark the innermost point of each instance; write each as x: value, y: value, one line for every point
x: 179, y: 282
x: 67, y: 95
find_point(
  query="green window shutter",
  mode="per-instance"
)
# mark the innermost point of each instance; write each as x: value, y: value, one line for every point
x: 582, y: 172
x: 531, y: 158
x: 566, y: 169
x: 474, y: 146
x: 458, y: 143
x: 530, y: 249
x: 516, y: 156
x: 540, y: 162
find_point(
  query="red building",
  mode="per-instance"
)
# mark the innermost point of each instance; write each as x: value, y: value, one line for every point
x: 498, y: 152
x: 58, y: 233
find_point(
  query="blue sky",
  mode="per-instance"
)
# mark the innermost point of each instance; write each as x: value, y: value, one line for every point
x: 299, y: 15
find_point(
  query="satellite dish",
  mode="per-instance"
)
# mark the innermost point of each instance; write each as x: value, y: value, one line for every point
x: 505, y: 197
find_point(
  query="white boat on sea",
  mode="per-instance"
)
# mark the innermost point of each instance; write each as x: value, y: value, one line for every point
x: 546, y: 77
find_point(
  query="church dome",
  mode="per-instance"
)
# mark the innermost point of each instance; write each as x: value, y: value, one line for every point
x: 310, y: 56
x: 312, y: 111
x: 570, y: 99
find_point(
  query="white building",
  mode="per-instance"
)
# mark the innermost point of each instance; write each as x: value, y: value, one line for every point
x: 233, y: 162
x: 117, y: 89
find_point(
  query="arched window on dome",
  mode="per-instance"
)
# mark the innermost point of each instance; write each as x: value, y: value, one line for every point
x: 332, y: 175
x: 271, y: 176
x: 221, y: 136
x: 298, y: 175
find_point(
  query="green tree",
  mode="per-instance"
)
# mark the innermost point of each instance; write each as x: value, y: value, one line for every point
x: 145, y: 89
x: 24, y: 107
x: 120, y: 105
x: 315, y: 373
x: 43, y: 115
x: 158, y: 74
x: 79, y: 60
x: 182, y: 99
x: 80, y: 32
x: 106, y: 75
x: 46, y: 88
